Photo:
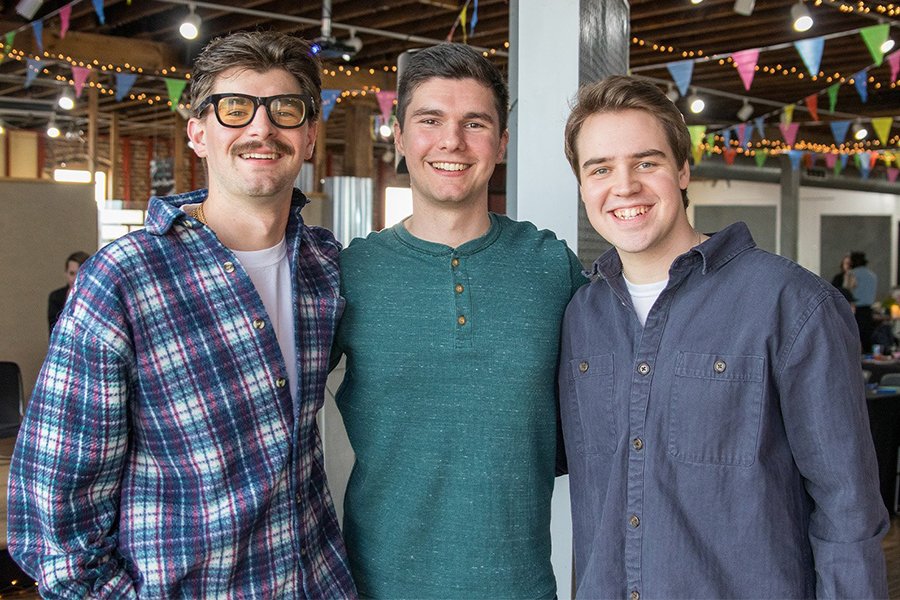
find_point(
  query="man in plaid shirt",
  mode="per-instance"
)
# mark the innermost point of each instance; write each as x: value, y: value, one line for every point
x: 170, y: 448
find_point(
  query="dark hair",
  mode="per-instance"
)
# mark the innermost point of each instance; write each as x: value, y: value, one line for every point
x: 258, y: 51
x: 619, y: 93
x: 77, y: 257
x: 858, y: 259
x: 451, y: 61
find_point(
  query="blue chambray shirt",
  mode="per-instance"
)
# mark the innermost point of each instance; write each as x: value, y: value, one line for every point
x: 722, y: 450
x: 162, y: 454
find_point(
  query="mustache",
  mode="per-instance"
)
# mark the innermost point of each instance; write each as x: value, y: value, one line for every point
x: 273, y: 145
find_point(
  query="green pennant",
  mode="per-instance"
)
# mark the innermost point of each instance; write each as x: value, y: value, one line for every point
x: 838, y: 167
x: 832, y: 96
x: 10, y: 36
x: 710, y: 142
x: 874, y: 36
x: 787, y: 116
x: 760, y: 157
x: 697, y: 134
x: 175, y: 87
x: 882, y: 127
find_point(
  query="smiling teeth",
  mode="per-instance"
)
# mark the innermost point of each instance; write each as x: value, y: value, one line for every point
x: 256, y: 155
x: 630, y: 213
x: 446, y: 166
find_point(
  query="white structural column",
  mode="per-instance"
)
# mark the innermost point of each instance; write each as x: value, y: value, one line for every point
x: 554, y: 46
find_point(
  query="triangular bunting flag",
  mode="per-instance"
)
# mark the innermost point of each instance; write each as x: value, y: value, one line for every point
x: 329, y: 98
x: 841, y: 163
x: 894, y: 62
x: 759, y: 125
x: 882, y: 127
x: 462, y: 21
x: 474, y: 20
x: 760, y: 157
x: 175, y: 87
x: 892, y: 174
x: 98, y: 8
x: 839, y: 130
x: 832, y: 96
x: 830, y: 159
x: 787, y: 116
x: 744, y: 130
x: 710, y: 142
x: 65, y: 15
x: 727, y: 134
x: 746, y: 60
x: 795, y: 156
x: 386, y: 103
x: 861, y: 81
x: 79, y: 76
x: 697, y: 133
x: 10, y: 36
x: 728, y: 154
x: 38, y: 28
x: 681, y: 72
x: 874, y: 36
x: 811, y: 52
x: 124, y: 81
x: 32, y: 68
x: 812, y: 105
x: 863, y: 164
x: 789, y: 131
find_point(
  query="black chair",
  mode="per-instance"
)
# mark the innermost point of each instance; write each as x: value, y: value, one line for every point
x: 11, y: 399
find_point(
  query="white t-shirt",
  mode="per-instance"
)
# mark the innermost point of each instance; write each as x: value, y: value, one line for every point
x: 271, y: 275
x: 644, y: 295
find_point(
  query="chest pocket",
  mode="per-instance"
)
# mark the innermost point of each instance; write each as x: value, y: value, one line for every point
x: 715, y: 408
x: 592, y: 379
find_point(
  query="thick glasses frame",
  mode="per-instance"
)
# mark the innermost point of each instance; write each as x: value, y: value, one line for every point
x: 258, y: 101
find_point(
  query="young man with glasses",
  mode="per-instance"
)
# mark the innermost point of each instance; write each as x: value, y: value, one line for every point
x: 170, y: 447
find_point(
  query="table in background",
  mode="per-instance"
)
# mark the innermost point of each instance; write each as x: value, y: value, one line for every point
x: 884, y: 420
x: 880, y: 368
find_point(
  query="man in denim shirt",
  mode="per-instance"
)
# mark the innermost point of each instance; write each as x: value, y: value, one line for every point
x: 711, y: 395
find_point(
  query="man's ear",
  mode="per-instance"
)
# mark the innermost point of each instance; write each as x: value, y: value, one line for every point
x: 196, y: 132
x: 398, y: 138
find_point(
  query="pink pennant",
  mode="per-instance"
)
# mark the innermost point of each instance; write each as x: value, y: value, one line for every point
x: 894, y: 61
x: 79, y: 75
x: 892, y: 174
x: 746, y: 60
x: 830, y: 160
x: 65, y: 14
x: 812, y: 104
x: 386, y: 103
x: 789, y: 131
x: 728, y: 154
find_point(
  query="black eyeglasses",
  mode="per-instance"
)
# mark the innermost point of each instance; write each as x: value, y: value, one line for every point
x: 287, y: 111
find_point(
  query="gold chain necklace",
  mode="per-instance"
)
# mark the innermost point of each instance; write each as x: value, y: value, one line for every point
x: 198, y: 214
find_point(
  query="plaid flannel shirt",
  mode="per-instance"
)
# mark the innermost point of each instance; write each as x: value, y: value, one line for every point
x: 162, y: 454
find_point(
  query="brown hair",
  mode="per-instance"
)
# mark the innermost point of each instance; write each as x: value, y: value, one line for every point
x: 619, y: 93
x: 259, y: 51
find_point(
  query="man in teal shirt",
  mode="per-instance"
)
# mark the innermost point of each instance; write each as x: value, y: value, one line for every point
x: 451, y: 332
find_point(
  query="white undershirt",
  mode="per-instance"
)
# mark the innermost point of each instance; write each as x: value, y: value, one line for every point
x: 644, y: 295
x: 271, y: 275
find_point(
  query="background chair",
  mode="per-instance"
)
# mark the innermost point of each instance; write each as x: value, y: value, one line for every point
x: 890, y: 380
x: 11, y: 399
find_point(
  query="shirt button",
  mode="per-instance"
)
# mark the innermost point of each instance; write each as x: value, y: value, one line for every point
x: 189, y: 224
x: 643, y: 368
x: 459, y: 288
x: 258, y: 324
x: 634, y: 521
x: 637, y: 444
x: 635, y: 595
x: 228, y: 266
x: 719, y: 366
x: 461, y: 319
x: 454, y: 263
x: 583, y: 366
x: 280, y: 383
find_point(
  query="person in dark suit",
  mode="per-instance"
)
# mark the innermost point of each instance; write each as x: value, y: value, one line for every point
x: 57, y: 299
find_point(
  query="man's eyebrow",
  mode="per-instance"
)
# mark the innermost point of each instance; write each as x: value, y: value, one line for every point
x: 436, y: 112
x: 604, y: 159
